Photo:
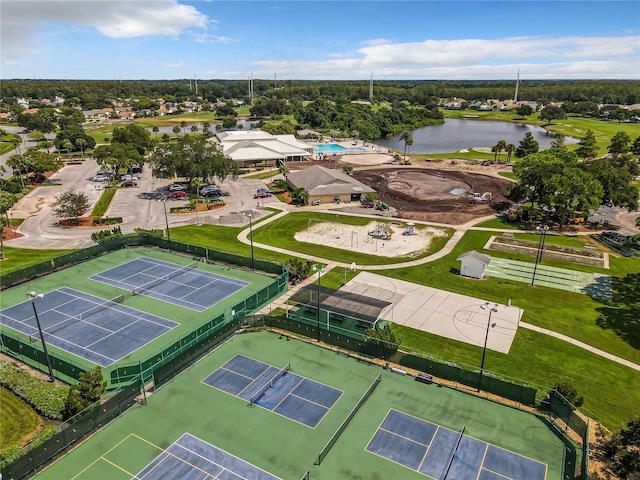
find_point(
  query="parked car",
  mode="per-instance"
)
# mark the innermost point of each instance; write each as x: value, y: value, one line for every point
x: 211, y: 193
x: 136, y: 170
x: 263, y: 193
x: 209, y: 187
x: 127, y: 177
x: 178, y: 194
x: 100, y: 178
x: 177, y: 187
x: 129, y: 183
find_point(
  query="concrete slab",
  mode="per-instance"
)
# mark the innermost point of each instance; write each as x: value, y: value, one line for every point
x: 443, y: 313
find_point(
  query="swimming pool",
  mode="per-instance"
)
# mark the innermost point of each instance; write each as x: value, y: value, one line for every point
x: 334, y: 148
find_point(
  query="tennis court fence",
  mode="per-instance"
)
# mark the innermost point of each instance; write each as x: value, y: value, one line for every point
x: 30, y: 461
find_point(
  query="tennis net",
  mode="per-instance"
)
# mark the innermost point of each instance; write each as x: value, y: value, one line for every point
x: 256, y: 396
x: 164, y: 278
x: 99, y: 308
x: 453, y: 454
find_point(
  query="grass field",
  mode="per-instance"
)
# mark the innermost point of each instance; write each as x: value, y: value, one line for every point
x: 19, y: 421
x: 286, y: 448
x: 17, y: 258
x: 103, y: 202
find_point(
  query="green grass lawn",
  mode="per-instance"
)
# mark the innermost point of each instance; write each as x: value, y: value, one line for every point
x: 6, y: 145
x: 509, y: 175
x: 19, y: 421
x: 264, y: 174
x: 503, y: 222
x: 17, y: 258
x: 103, y: 202
x: 280, y: 233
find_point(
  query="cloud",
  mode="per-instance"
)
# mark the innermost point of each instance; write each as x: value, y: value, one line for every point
x: 543, y: 57
x: 173, y: 64
x: 202, y: 37
x: 22, y: 20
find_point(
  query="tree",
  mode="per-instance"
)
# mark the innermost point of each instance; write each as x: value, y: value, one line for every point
x: 534, y: 172
x: 284, y: 170
x: 551, y: 112
x: 117, y: 155
x: 568, y: 391
x: 622, y: 448
x: 16, y: 141
x: 183, y: 125
x: 39, y: 162
x: 68, y: 146
x: 497, y: 148
x: 133, y: 134
x: 228, y: 123
x: 3, y: 223
x: 524, y: 110
x: 16, y: 162
x: 407, y: 138
x: 619, y: 143
x: 635, y: 146
x: 81, y: 143
x: 587, y: 147
x: 176, y: 129
x: 155, y: 130
x: 616, y: 177
x: 528, y: 145
x: 558, y: 141
x: 347, y: 169
x: 574, y: 189
x: 194, y: 128
x: 71, y: 205
x: 86, y: 392
x: 301, y: 196
x: 384, y: 338
x: 6, y: 202
x: 510, y: 149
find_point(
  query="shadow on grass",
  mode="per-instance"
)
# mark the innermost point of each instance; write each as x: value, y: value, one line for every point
x: 622, y: 313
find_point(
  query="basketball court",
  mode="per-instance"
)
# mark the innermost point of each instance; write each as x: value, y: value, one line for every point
x: 447, y: 314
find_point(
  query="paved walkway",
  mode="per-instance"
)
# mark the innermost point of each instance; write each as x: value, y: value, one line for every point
x: 453, y: 241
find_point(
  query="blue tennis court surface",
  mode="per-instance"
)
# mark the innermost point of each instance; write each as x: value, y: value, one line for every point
x: 181, y: 285
x: 431, y: 450
x: 192, y: 458
x: 293, y: 396
x: 87, y: 326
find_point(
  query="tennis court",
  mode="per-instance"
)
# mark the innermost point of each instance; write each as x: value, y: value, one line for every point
x: 181, y: 285
x: 98, y: 330
x: 441, y: 453
x: 293, y: 396
x: 190, y: 457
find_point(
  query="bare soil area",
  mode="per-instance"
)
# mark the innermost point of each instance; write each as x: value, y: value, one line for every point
x: 425, y: 194
x: 357, y: 238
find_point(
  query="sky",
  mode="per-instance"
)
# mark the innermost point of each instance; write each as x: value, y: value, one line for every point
x: 332, y: 40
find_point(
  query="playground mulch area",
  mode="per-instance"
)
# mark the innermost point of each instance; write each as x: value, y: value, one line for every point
x: 189, y: 427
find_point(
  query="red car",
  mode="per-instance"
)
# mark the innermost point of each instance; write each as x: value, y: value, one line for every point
x: 177, y: 195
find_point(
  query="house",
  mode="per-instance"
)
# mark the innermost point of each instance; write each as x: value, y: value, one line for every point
x: 328, y: 186
x: 473, y: 264
x: 256, y: 148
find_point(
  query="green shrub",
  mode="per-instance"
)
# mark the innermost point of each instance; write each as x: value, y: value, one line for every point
x: 107, y: 220
x: 46, y: 398
x: 102, y: 234
x: 157, y: 232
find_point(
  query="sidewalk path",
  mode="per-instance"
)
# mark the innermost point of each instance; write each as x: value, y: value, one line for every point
x: 448, y: 248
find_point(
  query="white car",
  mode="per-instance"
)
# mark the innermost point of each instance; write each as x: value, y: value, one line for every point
x: 127, y: 177
x: 176, y: 187
x: 100, y: 178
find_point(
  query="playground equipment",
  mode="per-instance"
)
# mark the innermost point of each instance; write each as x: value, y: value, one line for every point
x: 382, y: 232
x: 409, y: 230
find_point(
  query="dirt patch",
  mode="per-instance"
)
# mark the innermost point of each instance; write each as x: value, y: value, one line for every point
x: 358, y: 239
x: 426, y: 194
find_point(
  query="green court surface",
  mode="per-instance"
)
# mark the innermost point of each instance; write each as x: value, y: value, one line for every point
x: 288, y: 449
x: 76, y: 277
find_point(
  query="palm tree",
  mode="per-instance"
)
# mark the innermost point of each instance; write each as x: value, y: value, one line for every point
x: 15, y: 140
x: 176, y: 130
x: 68, y: 146
x: 284, y: 170
x: 501, y: 145
x: 183, y: 124
x: 390, y: 138
x: 15, y: 162
x: 194, y: 128
x: 155, y: 130
x: 81, y: 143
x: 407, y: 138
x: 510, y: 148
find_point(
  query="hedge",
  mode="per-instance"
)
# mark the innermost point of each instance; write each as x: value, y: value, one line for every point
x: 48, y: 399
x: 107, y: 220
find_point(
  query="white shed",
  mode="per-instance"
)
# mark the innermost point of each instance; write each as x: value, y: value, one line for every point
x: 473, y: 263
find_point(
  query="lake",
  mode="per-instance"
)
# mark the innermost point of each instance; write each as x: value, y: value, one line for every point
x: 457, y: 134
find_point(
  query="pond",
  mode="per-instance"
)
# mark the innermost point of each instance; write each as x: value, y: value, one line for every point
x: 458, y: 134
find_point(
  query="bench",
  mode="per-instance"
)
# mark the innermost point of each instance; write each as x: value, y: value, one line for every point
x: 424, y: 378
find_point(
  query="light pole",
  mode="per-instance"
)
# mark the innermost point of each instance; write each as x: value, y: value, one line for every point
x: 166, y: 221
x: 13, y: 223
x: 250, y: 214
x: 543, y: 229
x: 33, y: 296
x: 486, y: 337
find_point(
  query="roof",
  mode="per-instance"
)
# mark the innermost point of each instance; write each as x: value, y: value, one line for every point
x: 360, y: 307
x: 482, y: 258
x: 319, y: 180
x: 256, y: 145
